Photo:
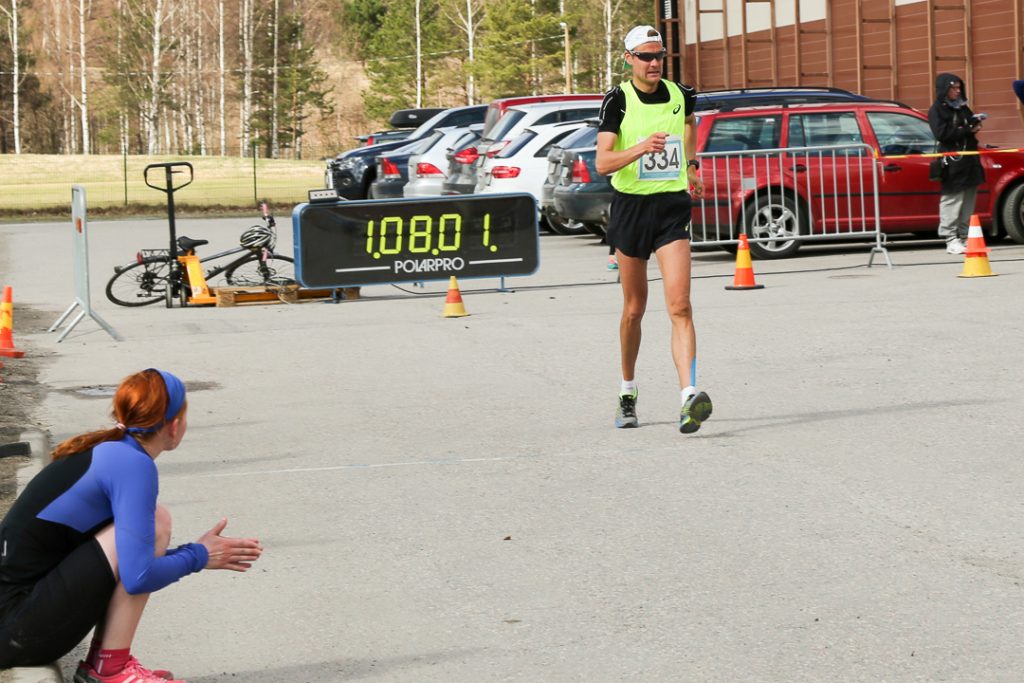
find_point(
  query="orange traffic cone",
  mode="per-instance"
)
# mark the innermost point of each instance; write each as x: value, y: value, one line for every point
x: 453, y: 307
x: 744, y: 278
x: 7, y: 326
x: 976, y: 256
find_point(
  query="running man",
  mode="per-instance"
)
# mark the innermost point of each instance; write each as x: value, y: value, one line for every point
x: 647, y: 139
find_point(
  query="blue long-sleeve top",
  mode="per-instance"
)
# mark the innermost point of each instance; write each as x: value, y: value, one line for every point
x: 71, y: 499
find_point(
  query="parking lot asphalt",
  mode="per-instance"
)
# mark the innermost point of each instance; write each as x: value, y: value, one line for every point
x: 446, y: 499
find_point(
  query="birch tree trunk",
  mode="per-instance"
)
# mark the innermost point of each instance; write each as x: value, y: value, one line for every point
x: 152, y: 107
x: 12, y: 25
x: 419, y: 60
x: 611, y: 8
x: 274, y: 83
x: 470, y: 31
x: 200, y: 82
x: 83, y: 100
x: 222, y: 114
x: 246, y: 30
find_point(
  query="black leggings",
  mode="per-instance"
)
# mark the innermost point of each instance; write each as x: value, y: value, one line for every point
x: 46, y: 621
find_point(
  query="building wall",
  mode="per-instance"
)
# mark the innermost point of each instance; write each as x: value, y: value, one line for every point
x: 994, y: 36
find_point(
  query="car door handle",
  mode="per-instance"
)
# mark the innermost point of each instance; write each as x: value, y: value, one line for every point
x: 799, y: 168
x: 892, y: 168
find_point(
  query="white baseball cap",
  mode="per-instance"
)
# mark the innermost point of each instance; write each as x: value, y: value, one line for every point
x: 638, y: 35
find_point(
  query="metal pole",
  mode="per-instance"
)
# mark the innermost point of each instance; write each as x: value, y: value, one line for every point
x: 255, y: 194
x: 172, y: 253
x: 124, y: 158
x: 568, y: 58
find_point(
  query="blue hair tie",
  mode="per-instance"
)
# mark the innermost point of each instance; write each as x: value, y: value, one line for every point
x: 175, y: 400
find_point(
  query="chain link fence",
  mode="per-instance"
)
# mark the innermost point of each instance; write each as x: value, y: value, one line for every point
x: 37, y: 183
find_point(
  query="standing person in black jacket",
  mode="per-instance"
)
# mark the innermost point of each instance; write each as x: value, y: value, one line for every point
x: 954, y: 126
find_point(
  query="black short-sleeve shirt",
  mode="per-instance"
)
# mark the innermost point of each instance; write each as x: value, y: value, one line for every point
x: 613, y: 108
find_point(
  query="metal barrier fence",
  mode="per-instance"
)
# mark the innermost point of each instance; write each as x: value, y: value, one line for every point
x: 782, y: 198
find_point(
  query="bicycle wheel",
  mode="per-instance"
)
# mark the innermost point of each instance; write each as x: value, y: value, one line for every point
x: 254, y: 272
x: 139, y: 284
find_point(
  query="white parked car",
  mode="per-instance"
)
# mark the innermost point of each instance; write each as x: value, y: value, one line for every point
x: 521, y: 166
x: 428, y: 170
x: 517, y: 119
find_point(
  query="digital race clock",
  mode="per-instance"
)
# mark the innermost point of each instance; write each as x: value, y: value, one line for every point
x: 348, y: 244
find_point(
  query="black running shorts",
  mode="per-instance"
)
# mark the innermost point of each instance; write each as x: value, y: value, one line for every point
x: 46, y: 621
x: 640, y: 224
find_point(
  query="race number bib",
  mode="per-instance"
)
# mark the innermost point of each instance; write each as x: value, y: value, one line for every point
x: 664, y: 165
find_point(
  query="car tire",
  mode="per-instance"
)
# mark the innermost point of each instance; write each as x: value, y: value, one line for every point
x: 595, y: 229
x: 1012, y: 214
x: 774, y: 217
x: 566, y: 226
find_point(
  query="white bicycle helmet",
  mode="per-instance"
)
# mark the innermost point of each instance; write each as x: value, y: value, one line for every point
x: 257, y: 237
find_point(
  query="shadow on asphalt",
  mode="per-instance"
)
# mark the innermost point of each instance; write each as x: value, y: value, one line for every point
x: 777, y: 421
x: 337, y: 670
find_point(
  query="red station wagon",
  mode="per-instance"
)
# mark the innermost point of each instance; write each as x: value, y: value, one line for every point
x: 799, y: 193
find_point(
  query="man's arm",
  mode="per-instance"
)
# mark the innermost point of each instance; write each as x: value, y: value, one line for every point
x: 690, y: 149
x: 690, y: 137
x: 609, y: 161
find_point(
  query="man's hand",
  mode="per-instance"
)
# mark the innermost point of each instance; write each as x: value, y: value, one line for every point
x: 236, y: 554
x: 696, y: 186
x: 654, y: 143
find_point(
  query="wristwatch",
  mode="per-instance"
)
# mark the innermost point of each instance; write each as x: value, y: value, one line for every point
x: 695, y: 163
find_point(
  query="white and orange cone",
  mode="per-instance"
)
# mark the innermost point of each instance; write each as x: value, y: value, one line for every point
x: 976, y: 256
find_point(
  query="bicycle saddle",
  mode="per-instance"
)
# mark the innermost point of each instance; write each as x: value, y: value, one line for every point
x: 187, y: 244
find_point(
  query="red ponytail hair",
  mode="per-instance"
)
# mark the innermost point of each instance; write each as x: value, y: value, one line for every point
x: 140, y: 401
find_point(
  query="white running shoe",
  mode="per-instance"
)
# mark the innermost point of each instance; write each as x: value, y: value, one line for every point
x: 956, y: 246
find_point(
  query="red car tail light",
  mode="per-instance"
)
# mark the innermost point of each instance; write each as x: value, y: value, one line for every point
x: 369, y: 140
x: 424, y: 169
x: 467, y: 156
x: 390, y: 169
x: 580, y: 173
x: 505, y: 172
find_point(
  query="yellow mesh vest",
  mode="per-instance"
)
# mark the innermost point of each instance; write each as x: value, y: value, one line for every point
x: 642, y: 120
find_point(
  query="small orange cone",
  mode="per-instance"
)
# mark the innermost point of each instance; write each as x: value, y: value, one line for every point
x: 453, y: 307
x: 744, y: 278
x: 976, y: 256
x: 6, y: 327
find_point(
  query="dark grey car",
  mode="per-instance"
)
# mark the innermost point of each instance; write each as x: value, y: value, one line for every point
x: 352, y: 172
x: 584, y: 138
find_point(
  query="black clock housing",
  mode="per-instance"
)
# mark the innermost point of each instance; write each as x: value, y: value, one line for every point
x: 350, y: 244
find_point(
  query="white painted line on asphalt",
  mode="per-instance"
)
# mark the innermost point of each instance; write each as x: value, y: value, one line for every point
x: 334, y: 468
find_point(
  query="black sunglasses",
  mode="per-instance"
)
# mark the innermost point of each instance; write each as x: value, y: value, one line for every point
x: 649, y: 56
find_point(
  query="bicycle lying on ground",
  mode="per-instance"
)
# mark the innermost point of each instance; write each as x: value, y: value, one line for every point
x: 156, y: 276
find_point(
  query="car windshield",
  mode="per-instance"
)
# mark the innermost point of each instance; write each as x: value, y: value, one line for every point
x: 546, y: 147
x: 428, y: 125
x: 581, y: 137
x: 505, y: 124
x: 517, y: 144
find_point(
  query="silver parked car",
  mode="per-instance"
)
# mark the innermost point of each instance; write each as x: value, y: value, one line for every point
x: 427, y: 170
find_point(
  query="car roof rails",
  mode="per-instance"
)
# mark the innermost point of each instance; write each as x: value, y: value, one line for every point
x: 727, y: 100
x: 778, y: 88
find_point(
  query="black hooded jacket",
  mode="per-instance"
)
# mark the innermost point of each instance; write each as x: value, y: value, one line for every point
x: 953, y: 132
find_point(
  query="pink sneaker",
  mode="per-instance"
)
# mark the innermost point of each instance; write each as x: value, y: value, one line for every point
x: 133, y: 672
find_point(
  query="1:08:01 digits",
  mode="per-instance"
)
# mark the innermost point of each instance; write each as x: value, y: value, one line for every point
x: 390, y: 239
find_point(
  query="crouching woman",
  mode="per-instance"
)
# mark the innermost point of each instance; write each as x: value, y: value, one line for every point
x: 85, y: 543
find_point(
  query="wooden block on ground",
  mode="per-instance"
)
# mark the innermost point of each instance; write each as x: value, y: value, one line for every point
x: 289, y: 294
